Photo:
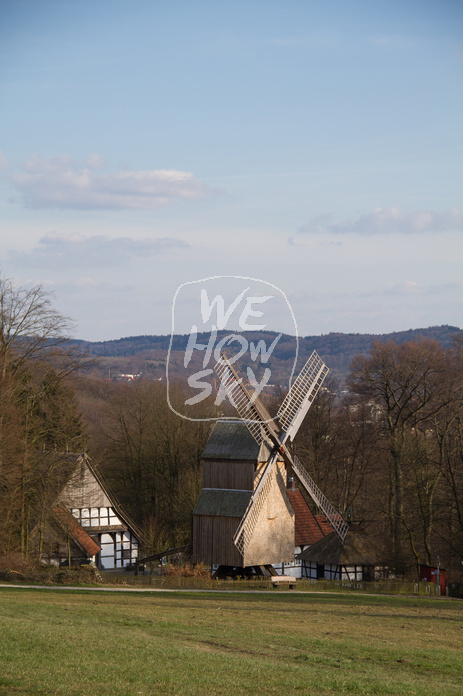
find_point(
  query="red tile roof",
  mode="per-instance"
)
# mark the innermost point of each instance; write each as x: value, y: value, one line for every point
x: 324, y: 525
x: 77, y: 532
x: 310, y: 528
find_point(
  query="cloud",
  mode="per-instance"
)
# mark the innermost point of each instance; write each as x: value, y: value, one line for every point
x: 410, y: 288
x: 62, y: 250
x: 389, y: 221
x: 61, y: 182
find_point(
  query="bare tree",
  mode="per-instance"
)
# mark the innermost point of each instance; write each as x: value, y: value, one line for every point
x: 151, y: 457
x: 405, y: 387
x: 30, y: 327
x: 34, y: 361
x: 447, y: 434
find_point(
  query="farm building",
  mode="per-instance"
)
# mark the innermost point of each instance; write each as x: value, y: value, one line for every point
x: 84, y: 521
x: 332, y: 559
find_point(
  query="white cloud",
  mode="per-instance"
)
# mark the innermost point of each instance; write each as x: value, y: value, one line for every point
x: 410, y: 288
x: 73, y: 250
x: 389, y: 221
x: 61, y: 182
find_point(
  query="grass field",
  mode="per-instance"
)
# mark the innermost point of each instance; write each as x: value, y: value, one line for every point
x: 121, y: 644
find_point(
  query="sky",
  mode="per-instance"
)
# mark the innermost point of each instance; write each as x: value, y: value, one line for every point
x: 314, y: 146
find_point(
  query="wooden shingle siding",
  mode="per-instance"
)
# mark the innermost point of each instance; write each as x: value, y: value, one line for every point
x: 233, y: 464
x: 234, y: 475
x: 273, y: 537
x: 213, y: 540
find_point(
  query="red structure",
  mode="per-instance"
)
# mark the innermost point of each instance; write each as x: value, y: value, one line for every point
x: 429, y: 574
x: 309, y: 528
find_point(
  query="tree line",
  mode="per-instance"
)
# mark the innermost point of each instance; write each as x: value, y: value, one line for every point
x: 388, y: 452
x: 147, y: 354
x: 38, y: 407
x: 391, y: 451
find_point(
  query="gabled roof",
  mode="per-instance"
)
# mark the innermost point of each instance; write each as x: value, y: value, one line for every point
x: 68, y: 464
x: 222, y: 502
x: 357, y: 549
x: 309, y: 528
x: 74, y: 529
x: 231, y: 440
x: 324, y: 525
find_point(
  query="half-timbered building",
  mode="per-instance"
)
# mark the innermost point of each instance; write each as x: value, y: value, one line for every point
x: 85, y: 520
x: 355, y: 558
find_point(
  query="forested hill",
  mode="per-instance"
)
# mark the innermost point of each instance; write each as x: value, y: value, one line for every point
x: 147, y: 354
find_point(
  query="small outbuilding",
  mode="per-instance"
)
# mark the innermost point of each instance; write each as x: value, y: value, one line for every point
x: 332, y: 559
x: 434, y: 574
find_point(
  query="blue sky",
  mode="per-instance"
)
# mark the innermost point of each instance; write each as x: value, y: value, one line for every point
x: 316, y: 146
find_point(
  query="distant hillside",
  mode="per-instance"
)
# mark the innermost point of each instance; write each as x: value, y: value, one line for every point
x: 147, y: 354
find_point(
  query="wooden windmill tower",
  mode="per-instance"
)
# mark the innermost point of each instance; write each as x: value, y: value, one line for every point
x: 243, y: 517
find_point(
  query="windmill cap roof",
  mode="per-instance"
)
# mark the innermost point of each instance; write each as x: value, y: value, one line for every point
x: 231, y: 439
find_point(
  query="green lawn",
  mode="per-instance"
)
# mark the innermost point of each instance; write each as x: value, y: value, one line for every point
x: 121, y: 644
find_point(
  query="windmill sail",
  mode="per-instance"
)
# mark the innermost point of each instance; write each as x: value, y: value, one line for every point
x: 243, y: 397
x: 299, y: 398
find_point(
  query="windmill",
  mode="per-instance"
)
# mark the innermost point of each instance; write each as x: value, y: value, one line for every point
x: 271, y: 435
